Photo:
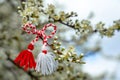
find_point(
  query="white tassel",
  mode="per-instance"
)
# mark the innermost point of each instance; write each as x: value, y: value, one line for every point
x: 46, y: 63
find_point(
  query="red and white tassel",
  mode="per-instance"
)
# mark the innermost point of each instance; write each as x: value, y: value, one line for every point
x: 46, y: 63
x: 25, y: 58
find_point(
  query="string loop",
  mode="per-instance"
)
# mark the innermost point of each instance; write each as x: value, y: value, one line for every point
x: 31, y: 29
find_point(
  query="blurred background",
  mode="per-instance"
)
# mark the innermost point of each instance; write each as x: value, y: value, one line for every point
x: 101, y: 54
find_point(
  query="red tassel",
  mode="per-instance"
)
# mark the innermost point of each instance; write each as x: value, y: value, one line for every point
x: 25, y: 58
